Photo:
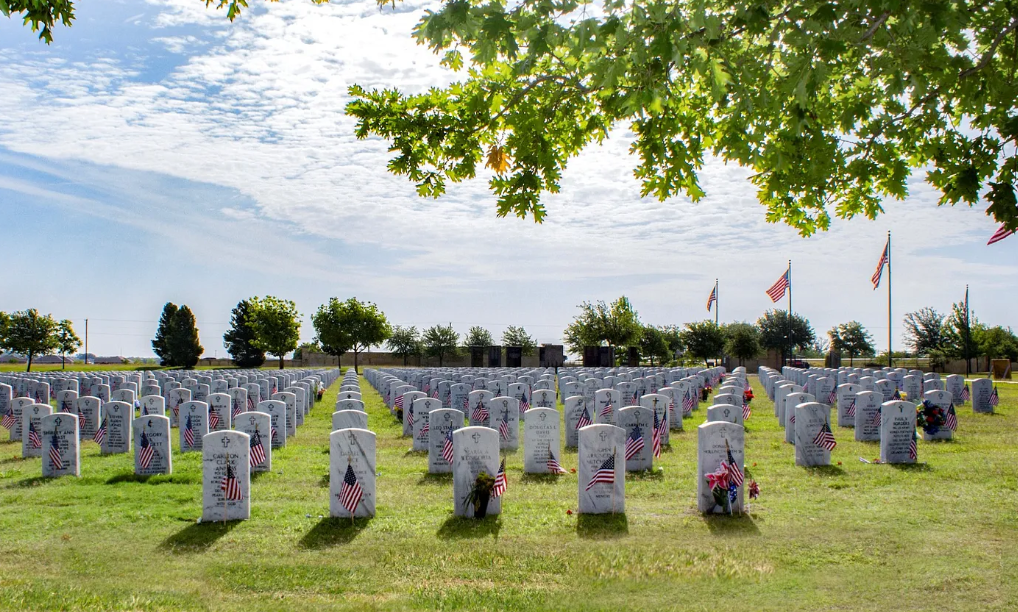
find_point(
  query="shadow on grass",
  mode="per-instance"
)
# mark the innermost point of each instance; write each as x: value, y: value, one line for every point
x: 912, y: 467
x: 548, y: 479
x: 12, y: 459
x: 333, y: 531
x: 34, y: 481
x: 435, y: 479
x: 459, y: 528
x: 197, y: 537
x: 257, y: 475
x: 723, y: 524
x: 825, y: 470
x: 128, y: 477
x: 602, y: 526
x: 323, y: 482
x: 413, y: 453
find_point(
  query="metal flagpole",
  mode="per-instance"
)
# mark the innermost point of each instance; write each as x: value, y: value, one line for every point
x: 789, y: 309
x: 717, y: 302
x: 86, y: 341
x: 968, y: 335
x: 889, y: 336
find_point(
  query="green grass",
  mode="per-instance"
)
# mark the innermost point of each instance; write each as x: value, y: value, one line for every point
x: 107, y: 367
x: 938, y: 536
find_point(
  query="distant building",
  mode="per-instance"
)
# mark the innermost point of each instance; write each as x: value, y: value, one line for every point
x: 110, y: 360
x: 12, y: 358
x: 53, y: 359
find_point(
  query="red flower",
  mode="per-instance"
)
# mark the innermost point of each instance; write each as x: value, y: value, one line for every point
x: 569, y: 511
x: 573, y: 470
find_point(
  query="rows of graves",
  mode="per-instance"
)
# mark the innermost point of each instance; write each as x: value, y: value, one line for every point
x: 895, y: 407
x: 618, y: 420
x: 234, y: 418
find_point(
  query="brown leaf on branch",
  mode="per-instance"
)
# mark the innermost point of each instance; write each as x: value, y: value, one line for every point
x: 497, y: 159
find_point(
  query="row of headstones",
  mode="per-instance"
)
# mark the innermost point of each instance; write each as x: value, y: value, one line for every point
x: 56, y: 437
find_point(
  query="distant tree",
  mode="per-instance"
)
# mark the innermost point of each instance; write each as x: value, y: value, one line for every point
x: 305, y: 349
x: 703, y: 339
x: 161, y: 343
x: 673, y: 337
x: 441, y: 341
x: 276, y: 324
x: 351, y: 325
x: 615, y: 324
x: 774, y: 330
x: 5, y: 321
x: 820, y: 345
x: 959, y: 332
x: 405, y: 342
x: 477, y: 336
x: 517, y: 336
x: 924, y: 331
x: 742, y: 341
x: 239, y: 340
x: 30, y: 334
x: 67, y: 341
x: 998, y: 343
x: 853, y: 339
x: 653, y: 345
x: 185, y: 349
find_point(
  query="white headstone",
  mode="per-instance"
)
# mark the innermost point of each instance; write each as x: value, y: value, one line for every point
x: 152, y: 450
x: 258, y: 426
x: 476, y: 451
x: 897, y: 432
x: 352, y: 473
x: 719, y: 442
x: 194, y: 425
x: 61, y: 453
x: 541, y: 440
x: 442, y: 423
x: 602, y: 453
x: 226, y: 476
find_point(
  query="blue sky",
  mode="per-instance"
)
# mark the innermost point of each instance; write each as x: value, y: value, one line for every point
x: 155, y: 152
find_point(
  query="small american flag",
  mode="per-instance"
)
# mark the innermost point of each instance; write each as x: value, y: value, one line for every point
x: 54, y: 453
x: 896, y: 395
x: 250, y: 405
x: 145, y: 451
x: 825, y: 438
x: 777, y: 290
x: 655, y: 438
x: 584, y: 420
x: 230, y: 486
x: 9, y: 420
x: 606, y: 411
x: 501, y: 484
x: 100, y: 434
x: 410, y: 417
x: 350, y: 494
x: 965, y: 394
x: 885, y: 258
x: 604, y: 474
x: 189, y: 432
x: 213, y: 419
x: 524, y: 403
x: 913, y: 447
x: 176, y: 409
x: 466, y: 403
x: 236, y: 410
x: 688, y: 402
x: 746, y: 411
x: 399, y: 402
x: 480, y: 414
x: 273, y: 433
x: 734, y: 473
x: 503, y: 425
x: 791, y: 418
x: 33, y: 436
x: 951, y: 421
x: 994, y: 398
x: 876, y: 418
x: 634, y: 443
x: 257, y: 456
x: 426, y: 389
x: 553, y: 465
x: 448, y: 452
x: 425, y: 429
x: 832, y: 397
x: 434, y: 394
x: 850, y: 408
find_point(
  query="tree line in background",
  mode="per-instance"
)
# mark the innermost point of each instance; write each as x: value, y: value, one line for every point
x: 31, y: 334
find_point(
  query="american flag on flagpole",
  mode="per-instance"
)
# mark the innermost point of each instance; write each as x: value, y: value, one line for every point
x: 553, y: 465
x: 257, y: 455
x: 777, y: 290
x: 655, y: 437
x: 604, y: 474
x: 100, y: 434
x: 448, y: 452
x: 825, y: 438
x: 994, y: 398
x: 145, y: 451
x: 501, y: 484
x: 33, y: 435
x: 634, y: 443
x: 584, y: 419
x: 1001, y: 233
x: 951, y: 420
x: 189, y: 432
x: 230, y: 486
x: 885, y: 257
x: 712, y: 298
x: 54, y: 453
x: 350, y: 493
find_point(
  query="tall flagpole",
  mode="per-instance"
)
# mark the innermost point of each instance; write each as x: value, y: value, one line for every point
x: 889, y: 336
x: 717, y: 302
x: 789, y: 309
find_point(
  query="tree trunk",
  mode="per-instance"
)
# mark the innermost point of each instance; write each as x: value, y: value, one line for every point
x: 63, y: 362
x: 282, y: 361
x: 30, y: 355
x: 355, y: 370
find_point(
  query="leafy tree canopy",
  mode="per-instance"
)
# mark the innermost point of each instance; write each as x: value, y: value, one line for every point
x: 830, y: 104
x: 185, y: 348
x: 742, y: 341
x: 517, y: 336
x: 239, y: 340
x: 615, y: 324
x: 276, y: 324
x: 478, y: 336
x: 924, y: 331
x: 704, y: 339
x: 653, y: 345
x: 405, y: 342
x: 350, y: 325
x: 774, y: 328
x: 441, y: 341
x: 67, y: 340
x: 998, y: 343
x: 30, y: 334
x: 852, y: 338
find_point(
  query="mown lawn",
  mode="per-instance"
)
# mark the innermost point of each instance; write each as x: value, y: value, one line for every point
x: 939, y: 536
